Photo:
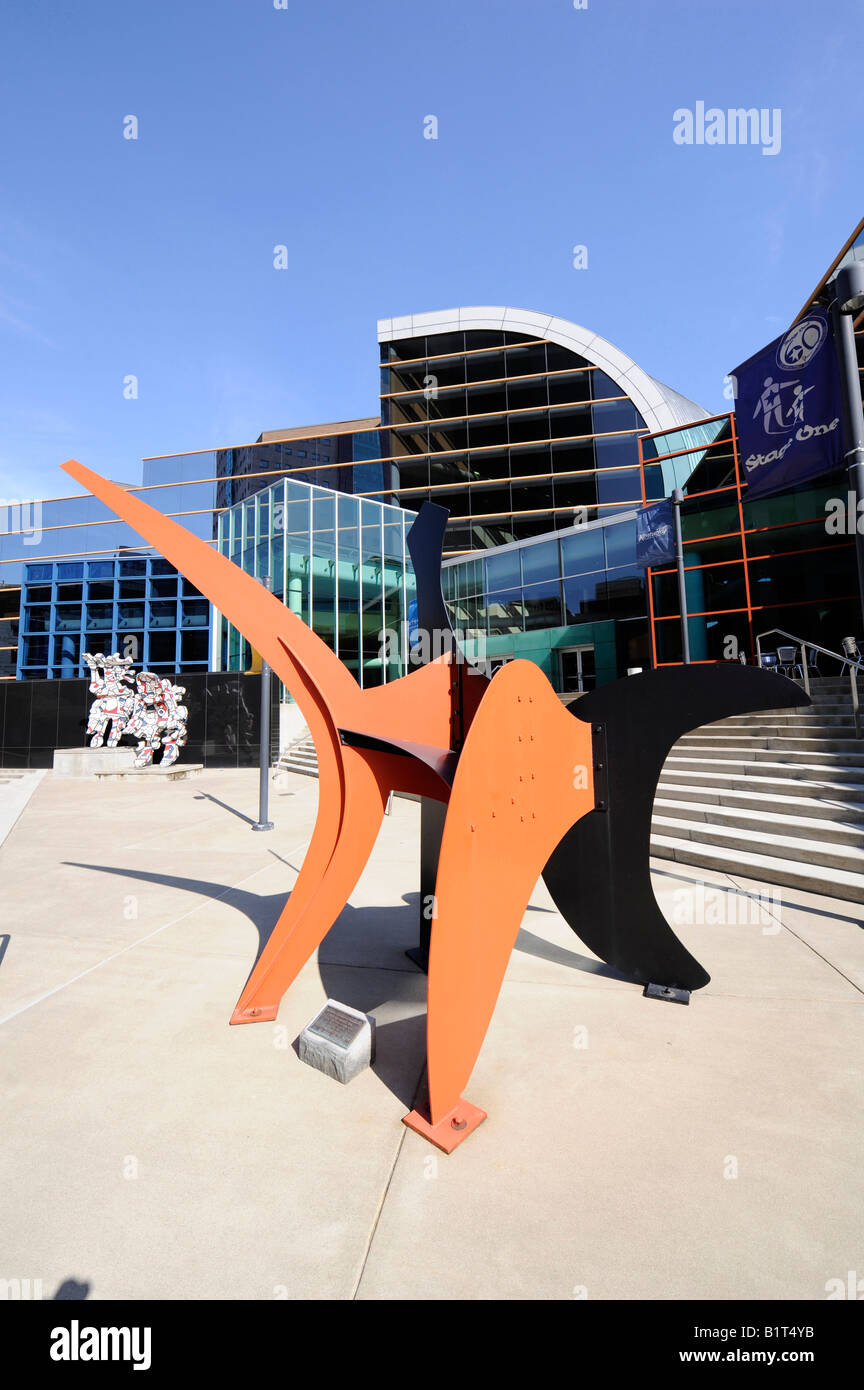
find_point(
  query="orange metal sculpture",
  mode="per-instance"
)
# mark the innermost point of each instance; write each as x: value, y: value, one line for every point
x: 521, y: 778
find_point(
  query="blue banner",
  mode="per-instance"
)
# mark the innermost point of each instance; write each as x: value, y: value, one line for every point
x: 788, y: 409
x: 413, y: 628
x: 655, y: 534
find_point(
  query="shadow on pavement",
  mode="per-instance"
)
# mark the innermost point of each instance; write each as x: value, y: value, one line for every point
x: 72, y: 1290
x: 401, y: 1042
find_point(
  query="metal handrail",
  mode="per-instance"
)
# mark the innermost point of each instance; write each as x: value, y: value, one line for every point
x: 805, y: 646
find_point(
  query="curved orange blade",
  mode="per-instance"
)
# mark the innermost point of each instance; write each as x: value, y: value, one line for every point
x: 524, y: 776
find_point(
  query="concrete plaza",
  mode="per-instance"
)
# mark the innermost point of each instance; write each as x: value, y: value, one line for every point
x: 634, y: 1149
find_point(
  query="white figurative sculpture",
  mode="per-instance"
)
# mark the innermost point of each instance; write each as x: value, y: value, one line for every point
x: 150, y: 711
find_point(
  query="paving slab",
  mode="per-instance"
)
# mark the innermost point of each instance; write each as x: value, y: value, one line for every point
x: 633, y: 1148
x: 708, y: 1152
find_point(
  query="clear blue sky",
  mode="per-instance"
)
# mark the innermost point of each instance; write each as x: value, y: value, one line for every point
x: 304, y: 127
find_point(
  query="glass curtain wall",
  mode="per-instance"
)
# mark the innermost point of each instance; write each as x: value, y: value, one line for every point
x: 587, y: 574
x: 515, y: 435
x: 339, y: 562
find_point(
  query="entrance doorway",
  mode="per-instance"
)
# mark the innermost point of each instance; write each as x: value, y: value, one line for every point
x: 576, y: 670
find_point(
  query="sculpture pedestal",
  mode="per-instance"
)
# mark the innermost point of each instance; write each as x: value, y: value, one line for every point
x: 87, y: 762
x: 177, y: 772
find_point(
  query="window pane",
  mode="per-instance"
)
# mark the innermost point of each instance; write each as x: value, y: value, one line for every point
x: 542, y: 605
x: 583, y: 551
x: 163, y: 614
x: 540, y: 562
x: 130, y: 615
x: 195, y: 613
x: 502, y: 571
x: 68, y: 618
x: 621, y: 543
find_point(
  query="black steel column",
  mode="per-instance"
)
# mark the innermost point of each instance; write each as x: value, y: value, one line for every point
x: 432, y: 816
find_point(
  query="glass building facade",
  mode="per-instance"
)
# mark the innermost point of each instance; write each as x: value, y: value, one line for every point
x: 539, y: 437
x: 138, y: 606
x: 573, y: 601
x: 339, y: 562
x: 510, y: 430
x: 512, y: 433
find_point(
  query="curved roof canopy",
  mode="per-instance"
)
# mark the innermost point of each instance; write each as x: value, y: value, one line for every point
x: 660, y: 407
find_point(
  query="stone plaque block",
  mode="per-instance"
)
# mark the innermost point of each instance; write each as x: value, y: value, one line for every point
x: 340, y: 1041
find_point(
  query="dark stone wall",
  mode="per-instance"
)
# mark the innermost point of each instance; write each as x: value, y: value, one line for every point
x: 224, y: 719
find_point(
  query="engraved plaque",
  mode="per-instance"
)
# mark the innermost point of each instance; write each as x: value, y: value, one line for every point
x: 338, y: 1028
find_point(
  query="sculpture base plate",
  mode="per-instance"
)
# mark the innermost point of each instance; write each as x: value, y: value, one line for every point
x: 264, y: 1014
x: 667, y: 992
x: 445, y: 1135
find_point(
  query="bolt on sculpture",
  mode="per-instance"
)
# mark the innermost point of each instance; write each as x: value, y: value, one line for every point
x: 529, y: 786
x: 151, y: 713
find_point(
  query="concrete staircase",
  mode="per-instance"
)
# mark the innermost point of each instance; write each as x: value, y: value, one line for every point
x: 776, y: 796
x: 299, y: 756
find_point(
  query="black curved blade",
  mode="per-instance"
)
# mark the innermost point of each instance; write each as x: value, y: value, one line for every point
x: 599, y: 876
x: 425, y: 542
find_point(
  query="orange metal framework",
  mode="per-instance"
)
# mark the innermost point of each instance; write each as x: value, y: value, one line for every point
x: 742, y: 531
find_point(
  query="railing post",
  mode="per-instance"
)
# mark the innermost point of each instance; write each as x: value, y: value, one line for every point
x: 804, y: 670
x: 853, y: 681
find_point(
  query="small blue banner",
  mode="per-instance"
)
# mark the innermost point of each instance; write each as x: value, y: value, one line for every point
x: 788, y: 409
x: 413, y: 629
x: 655, y: 534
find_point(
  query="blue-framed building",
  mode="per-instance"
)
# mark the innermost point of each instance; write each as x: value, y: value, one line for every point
x: 135, y: 604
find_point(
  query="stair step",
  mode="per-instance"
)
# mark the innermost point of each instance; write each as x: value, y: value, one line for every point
x: 786, y: 873
x: 827, y: 775
x: 810, y: 726
x: 764, y: 820
x: 836, y: 856
x: 821, y: 762
x: 685, y: 773
x: 724, y: 795
x: 811, y: 711
x: 791, y: 743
